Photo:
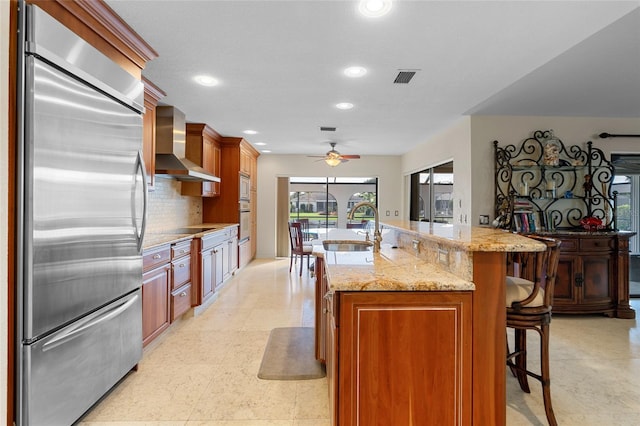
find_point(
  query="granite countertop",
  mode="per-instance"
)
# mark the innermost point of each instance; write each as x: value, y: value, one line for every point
x: 469, y: 238
x: 153, y: 239
x: 389, y: 270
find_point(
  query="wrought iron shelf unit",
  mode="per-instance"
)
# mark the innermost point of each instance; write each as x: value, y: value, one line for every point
x: 537, y: 192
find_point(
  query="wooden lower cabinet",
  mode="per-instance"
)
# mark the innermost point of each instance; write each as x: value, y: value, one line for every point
x: 244, y: 253
x: 217, y: 261
x: 593, y: 275
x: 181, y: 273
x: 399, y: 358
x: 155, y: 302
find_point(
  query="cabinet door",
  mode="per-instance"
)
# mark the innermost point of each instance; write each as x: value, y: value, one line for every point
x: 207, y: 274
x: 597, y: 272
x: 207, y: 164
x: 233, y: 255
x: 218, y: 263
x: 155, y: 303
x: 320, y: 309
x: 216, y: 158
x: 568, y: 281
x: 404, y: 357
x: 331, y: 354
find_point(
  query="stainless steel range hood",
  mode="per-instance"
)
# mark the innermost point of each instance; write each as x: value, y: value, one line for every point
x: 170, y: 148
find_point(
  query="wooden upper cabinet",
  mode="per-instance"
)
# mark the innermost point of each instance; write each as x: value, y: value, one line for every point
x: 152, y: 94
x: 101, y: 27
x: 203, y: 148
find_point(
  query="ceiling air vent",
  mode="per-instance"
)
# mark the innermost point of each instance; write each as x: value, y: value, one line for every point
x: 327, y: 129
x: 404, y: 77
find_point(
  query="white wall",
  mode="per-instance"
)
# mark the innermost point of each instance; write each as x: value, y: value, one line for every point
x: 385, y: 168
x: 4, y: 190
x: 452, y: 144
x: 513, y: 130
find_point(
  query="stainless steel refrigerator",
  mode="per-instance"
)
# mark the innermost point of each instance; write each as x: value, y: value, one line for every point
x: 81, y: 217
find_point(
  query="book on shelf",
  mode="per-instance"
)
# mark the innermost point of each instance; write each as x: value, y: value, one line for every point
x: 529, y: 221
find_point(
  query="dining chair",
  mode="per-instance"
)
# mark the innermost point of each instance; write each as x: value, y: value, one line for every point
x: 298, y: 247
x: 304, y: 227
x: 529, y: 300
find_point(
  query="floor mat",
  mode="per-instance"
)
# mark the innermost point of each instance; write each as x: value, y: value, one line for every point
x: 290, y: 355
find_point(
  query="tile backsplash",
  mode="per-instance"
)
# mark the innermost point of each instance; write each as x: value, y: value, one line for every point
x: 169, y: 209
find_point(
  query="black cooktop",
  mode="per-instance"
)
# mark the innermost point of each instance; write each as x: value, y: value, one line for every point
x: 188, y: 230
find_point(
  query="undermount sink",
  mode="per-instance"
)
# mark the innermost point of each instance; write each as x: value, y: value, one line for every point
x: 347, y: 245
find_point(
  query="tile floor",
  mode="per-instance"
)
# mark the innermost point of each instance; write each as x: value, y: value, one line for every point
x: 202, y: 371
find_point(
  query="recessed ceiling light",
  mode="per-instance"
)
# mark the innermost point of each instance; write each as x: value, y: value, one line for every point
x: 355, y: 72
x: 266, y: 151
x: 250, y: 132
x: 260, y: 143
x: 374, y: 8
x: 206, y: 80
x: 344, y: 105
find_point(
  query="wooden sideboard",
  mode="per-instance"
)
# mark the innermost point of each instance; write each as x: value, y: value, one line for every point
x: 593, y: 274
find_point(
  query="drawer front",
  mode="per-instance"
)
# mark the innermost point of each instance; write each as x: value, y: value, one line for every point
x: 181, y: 249
x: 180, y: 301
x: 156, y: 257
x: 180, y: 272
x: 569, y: 244
x: 596, y: 244
x: 211, y: 239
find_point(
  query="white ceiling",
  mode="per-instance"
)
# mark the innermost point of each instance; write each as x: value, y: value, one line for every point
x: 280, y: 66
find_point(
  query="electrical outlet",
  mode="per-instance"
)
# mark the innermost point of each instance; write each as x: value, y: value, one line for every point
x: 484, y: 219
x: 396, y: 213
x: 416, y: 245
x: 443, y: 256
x: 388, y: 213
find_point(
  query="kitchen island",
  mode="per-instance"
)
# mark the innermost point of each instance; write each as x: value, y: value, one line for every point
x: 416, y: 334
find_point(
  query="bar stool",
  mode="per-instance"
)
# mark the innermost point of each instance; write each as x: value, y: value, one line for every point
x: 529, y: 301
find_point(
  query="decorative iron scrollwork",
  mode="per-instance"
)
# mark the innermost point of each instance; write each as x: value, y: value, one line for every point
x: 543, y: 185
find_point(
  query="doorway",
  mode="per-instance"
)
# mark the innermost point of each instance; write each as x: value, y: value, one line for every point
x: 627, y: 183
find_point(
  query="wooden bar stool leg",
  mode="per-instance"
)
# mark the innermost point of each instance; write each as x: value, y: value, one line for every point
x: 546, y: 377
x: 521, y: 359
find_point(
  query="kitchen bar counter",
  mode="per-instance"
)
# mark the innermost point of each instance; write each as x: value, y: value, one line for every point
x: 467, y: 263
x: 391, y: 269
x: 469, y: 238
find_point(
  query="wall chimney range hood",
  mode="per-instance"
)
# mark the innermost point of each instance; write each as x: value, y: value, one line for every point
x: 170, y: 148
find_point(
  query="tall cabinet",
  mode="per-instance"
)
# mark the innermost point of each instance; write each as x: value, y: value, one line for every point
x: 238, y: 158
x: 545, y: 187
x: 152, y: 95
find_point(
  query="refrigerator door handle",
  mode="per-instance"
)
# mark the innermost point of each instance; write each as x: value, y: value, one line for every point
x: 140, y: 167
x: 83, y: 325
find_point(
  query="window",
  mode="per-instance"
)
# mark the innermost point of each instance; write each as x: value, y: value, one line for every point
x: 432, y: 194
x: 325, y: 201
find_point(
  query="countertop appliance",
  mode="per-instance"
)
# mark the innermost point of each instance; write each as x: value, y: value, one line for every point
x: 81, y: 218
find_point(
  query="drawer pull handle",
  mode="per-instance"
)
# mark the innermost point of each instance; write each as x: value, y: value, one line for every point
x: 157, y: 256
x: 181, y: 265
x: 182, y: 251
x: 183, y: 294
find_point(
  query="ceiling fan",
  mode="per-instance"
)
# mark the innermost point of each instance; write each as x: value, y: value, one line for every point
x: 333, y: 157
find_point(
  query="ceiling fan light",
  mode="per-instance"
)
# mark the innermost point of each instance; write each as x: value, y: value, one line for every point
x: 332, y: 161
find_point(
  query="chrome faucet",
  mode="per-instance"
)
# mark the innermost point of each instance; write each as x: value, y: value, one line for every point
x: 377, y: 237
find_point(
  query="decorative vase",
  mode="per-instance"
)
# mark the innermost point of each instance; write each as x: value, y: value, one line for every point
x: 551, y: 151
